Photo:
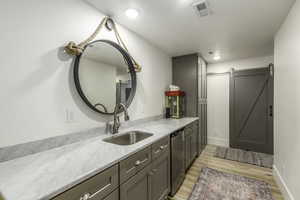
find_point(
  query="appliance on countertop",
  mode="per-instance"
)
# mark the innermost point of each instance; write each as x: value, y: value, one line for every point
x: 175, y: 104
x: 177, y: 160
x: 174, y: 88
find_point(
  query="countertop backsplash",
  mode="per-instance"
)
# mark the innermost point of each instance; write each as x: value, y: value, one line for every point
x: 20, y: 150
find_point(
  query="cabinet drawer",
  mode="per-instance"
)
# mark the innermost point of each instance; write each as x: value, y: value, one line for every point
x: 134, y: 163
x: 160, y: 147
x: 95, y: 188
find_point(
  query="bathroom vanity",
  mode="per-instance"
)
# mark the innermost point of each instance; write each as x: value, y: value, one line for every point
x: 145, y: 175
x: 95, y: 169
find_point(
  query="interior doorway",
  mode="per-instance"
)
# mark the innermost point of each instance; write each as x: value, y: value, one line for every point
x: 251, y: 109
x: 218, y: 109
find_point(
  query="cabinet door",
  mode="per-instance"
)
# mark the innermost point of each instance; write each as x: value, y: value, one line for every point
x: 160, y: 177
x: 184, y: 73
x: 188, y: 145
x: 177, y: 161
x: 137, y: 187
x: 194, y: 138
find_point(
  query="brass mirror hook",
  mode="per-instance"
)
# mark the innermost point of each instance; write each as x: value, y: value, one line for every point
x: 109, y: 24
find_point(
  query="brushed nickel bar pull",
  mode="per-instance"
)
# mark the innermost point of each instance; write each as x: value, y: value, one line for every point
x: 102, y: 189
x: 157, y: 151
x: 163, y: 147
x: 138, y: 162
x: 132, y: 168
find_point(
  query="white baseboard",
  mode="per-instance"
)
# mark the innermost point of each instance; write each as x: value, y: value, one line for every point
x: 218, y: 141
x: 282, y: 185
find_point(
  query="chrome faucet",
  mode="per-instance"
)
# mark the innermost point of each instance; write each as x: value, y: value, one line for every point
x: 114, y: 128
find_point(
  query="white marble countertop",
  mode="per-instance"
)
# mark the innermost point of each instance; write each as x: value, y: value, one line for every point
x: 43, y: 175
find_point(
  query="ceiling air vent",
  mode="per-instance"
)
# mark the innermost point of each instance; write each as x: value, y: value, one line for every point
x: 202, y: 7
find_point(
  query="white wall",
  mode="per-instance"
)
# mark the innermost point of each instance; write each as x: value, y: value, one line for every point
x: 287, y: 103
x: 36, y: 76
x: 218, y: 96
x: 248, y: 63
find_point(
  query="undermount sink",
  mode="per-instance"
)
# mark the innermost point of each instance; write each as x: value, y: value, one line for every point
x: 128, y: 138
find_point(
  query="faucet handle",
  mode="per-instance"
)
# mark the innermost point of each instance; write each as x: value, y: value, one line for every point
x: 117, y: 124
x: 108, y: 127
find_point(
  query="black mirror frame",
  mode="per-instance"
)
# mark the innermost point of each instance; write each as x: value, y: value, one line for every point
x: 131, y: 70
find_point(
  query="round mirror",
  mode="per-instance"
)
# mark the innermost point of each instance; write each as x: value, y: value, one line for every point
x: 105, y: 76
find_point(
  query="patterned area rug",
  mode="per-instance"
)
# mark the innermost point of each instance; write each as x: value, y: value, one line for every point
x: 250, y: 157
x: 216, y: 185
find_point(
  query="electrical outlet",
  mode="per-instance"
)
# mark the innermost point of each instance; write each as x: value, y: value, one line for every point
x: 283, y: 169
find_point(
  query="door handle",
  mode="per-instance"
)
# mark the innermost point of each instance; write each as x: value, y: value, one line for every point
x: 157, y: 151
x: 87, y: 196
x: 138, y: 162
x: 271, y: 111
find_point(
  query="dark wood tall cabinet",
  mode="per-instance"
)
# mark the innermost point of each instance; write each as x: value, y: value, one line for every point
x: 189, y: 73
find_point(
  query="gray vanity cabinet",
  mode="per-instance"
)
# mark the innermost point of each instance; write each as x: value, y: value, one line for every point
x: 137, y: 187
x: 144, y: 175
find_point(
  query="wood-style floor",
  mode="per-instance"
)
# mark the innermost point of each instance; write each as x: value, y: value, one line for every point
x: 206, y: 159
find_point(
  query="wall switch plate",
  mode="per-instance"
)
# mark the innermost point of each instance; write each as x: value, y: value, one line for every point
x: 70, y: 116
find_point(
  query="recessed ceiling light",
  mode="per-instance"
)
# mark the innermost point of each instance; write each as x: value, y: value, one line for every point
x: 217, y: 57
x: 132, y: 13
